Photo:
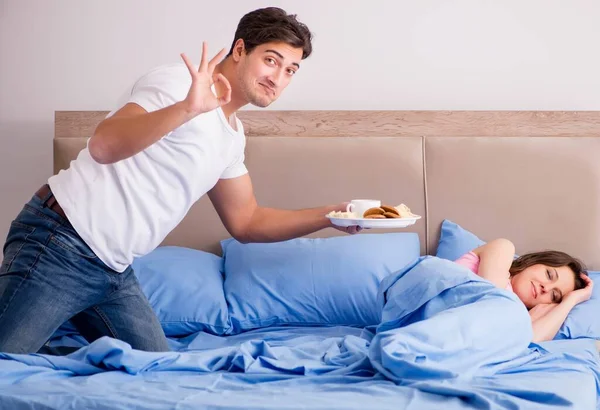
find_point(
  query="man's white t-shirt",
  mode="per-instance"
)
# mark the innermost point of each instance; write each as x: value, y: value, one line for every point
x: 125, y: 210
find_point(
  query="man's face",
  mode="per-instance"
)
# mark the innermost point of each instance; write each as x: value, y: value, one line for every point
x: 266, y: 71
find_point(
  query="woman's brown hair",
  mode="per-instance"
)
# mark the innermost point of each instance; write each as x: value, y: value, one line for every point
x: 554, y: 259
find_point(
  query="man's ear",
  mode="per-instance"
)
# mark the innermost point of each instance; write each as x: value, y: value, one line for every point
x: 238, y: 50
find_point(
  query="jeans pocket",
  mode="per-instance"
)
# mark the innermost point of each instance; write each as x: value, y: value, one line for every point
x: 18, y: 234
x: 69, y: 241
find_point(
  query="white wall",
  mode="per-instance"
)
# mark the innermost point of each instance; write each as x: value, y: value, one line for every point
x: 403, y: 54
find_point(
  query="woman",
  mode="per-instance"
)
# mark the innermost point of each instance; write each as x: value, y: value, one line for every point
x: 549, y: 283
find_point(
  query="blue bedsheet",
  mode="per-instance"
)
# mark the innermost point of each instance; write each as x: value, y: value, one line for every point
x: 451, y: 341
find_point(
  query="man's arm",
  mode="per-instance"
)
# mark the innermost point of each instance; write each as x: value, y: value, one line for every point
x: 236, y: 205
x: 132, y: 129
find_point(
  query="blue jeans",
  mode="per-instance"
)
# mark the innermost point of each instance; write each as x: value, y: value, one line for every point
x: 49, y: 275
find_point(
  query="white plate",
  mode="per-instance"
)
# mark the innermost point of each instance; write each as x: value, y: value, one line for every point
x: 375, y: 223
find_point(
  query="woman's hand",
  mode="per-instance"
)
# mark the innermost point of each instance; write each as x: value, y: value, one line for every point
x: 541, y: 310
x: 581, y: 295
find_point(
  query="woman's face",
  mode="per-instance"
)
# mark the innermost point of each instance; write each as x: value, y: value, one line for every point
x: 543, y: 284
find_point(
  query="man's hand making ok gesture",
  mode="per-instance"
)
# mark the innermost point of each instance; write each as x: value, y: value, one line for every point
x: 200, y: 97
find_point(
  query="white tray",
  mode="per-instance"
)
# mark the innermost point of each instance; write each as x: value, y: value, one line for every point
x: 375, y: 223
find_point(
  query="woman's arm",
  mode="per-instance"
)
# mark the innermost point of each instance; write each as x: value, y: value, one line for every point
x: 541, y: 310
x: 495, y: 259
x: 548, y: 319
x: 546, y: 326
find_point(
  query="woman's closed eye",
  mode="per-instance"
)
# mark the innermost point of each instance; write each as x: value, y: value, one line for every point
x: 556, y: 296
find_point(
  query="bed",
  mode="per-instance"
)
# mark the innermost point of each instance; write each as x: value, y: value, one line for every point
x: 532, y: 177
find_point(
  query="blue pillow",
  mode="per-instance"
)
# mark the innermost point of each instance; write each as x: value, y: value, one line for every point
x: 582, y: 321
x: 306, y: 281
x: 185, y: 289
x: 455, y: 241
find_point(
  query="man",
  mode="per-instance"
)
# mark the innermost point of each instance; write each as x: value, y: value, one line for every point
x: 174, y: 138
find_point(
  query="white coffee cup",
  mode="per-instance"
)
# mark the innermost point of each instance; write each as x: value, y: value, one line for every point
x: 359, y: 206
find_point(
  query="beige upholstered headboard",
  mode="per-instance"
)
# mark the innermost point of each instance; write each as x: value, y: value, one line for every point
x: 532, y: 177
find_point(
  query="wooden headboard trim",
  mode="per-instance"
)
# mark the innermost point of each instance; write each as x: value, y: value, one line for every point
x: 77, y: 124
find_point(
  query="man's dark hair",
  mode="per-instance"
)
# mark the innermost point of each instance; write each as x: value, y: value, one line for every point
x: 272, y: 24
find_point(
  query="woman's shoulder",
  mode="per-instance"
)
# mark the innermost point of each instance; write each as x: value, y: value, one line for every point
x: 469, y: 260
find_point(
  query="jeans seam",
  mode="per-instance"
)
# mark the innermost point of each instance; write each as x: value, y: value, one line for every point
x: 106, y: 321
x: 68, y: 249
x: 34, y: 211
x: 57, y: 241
x: 10, y: 262
x: 20, y: 285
